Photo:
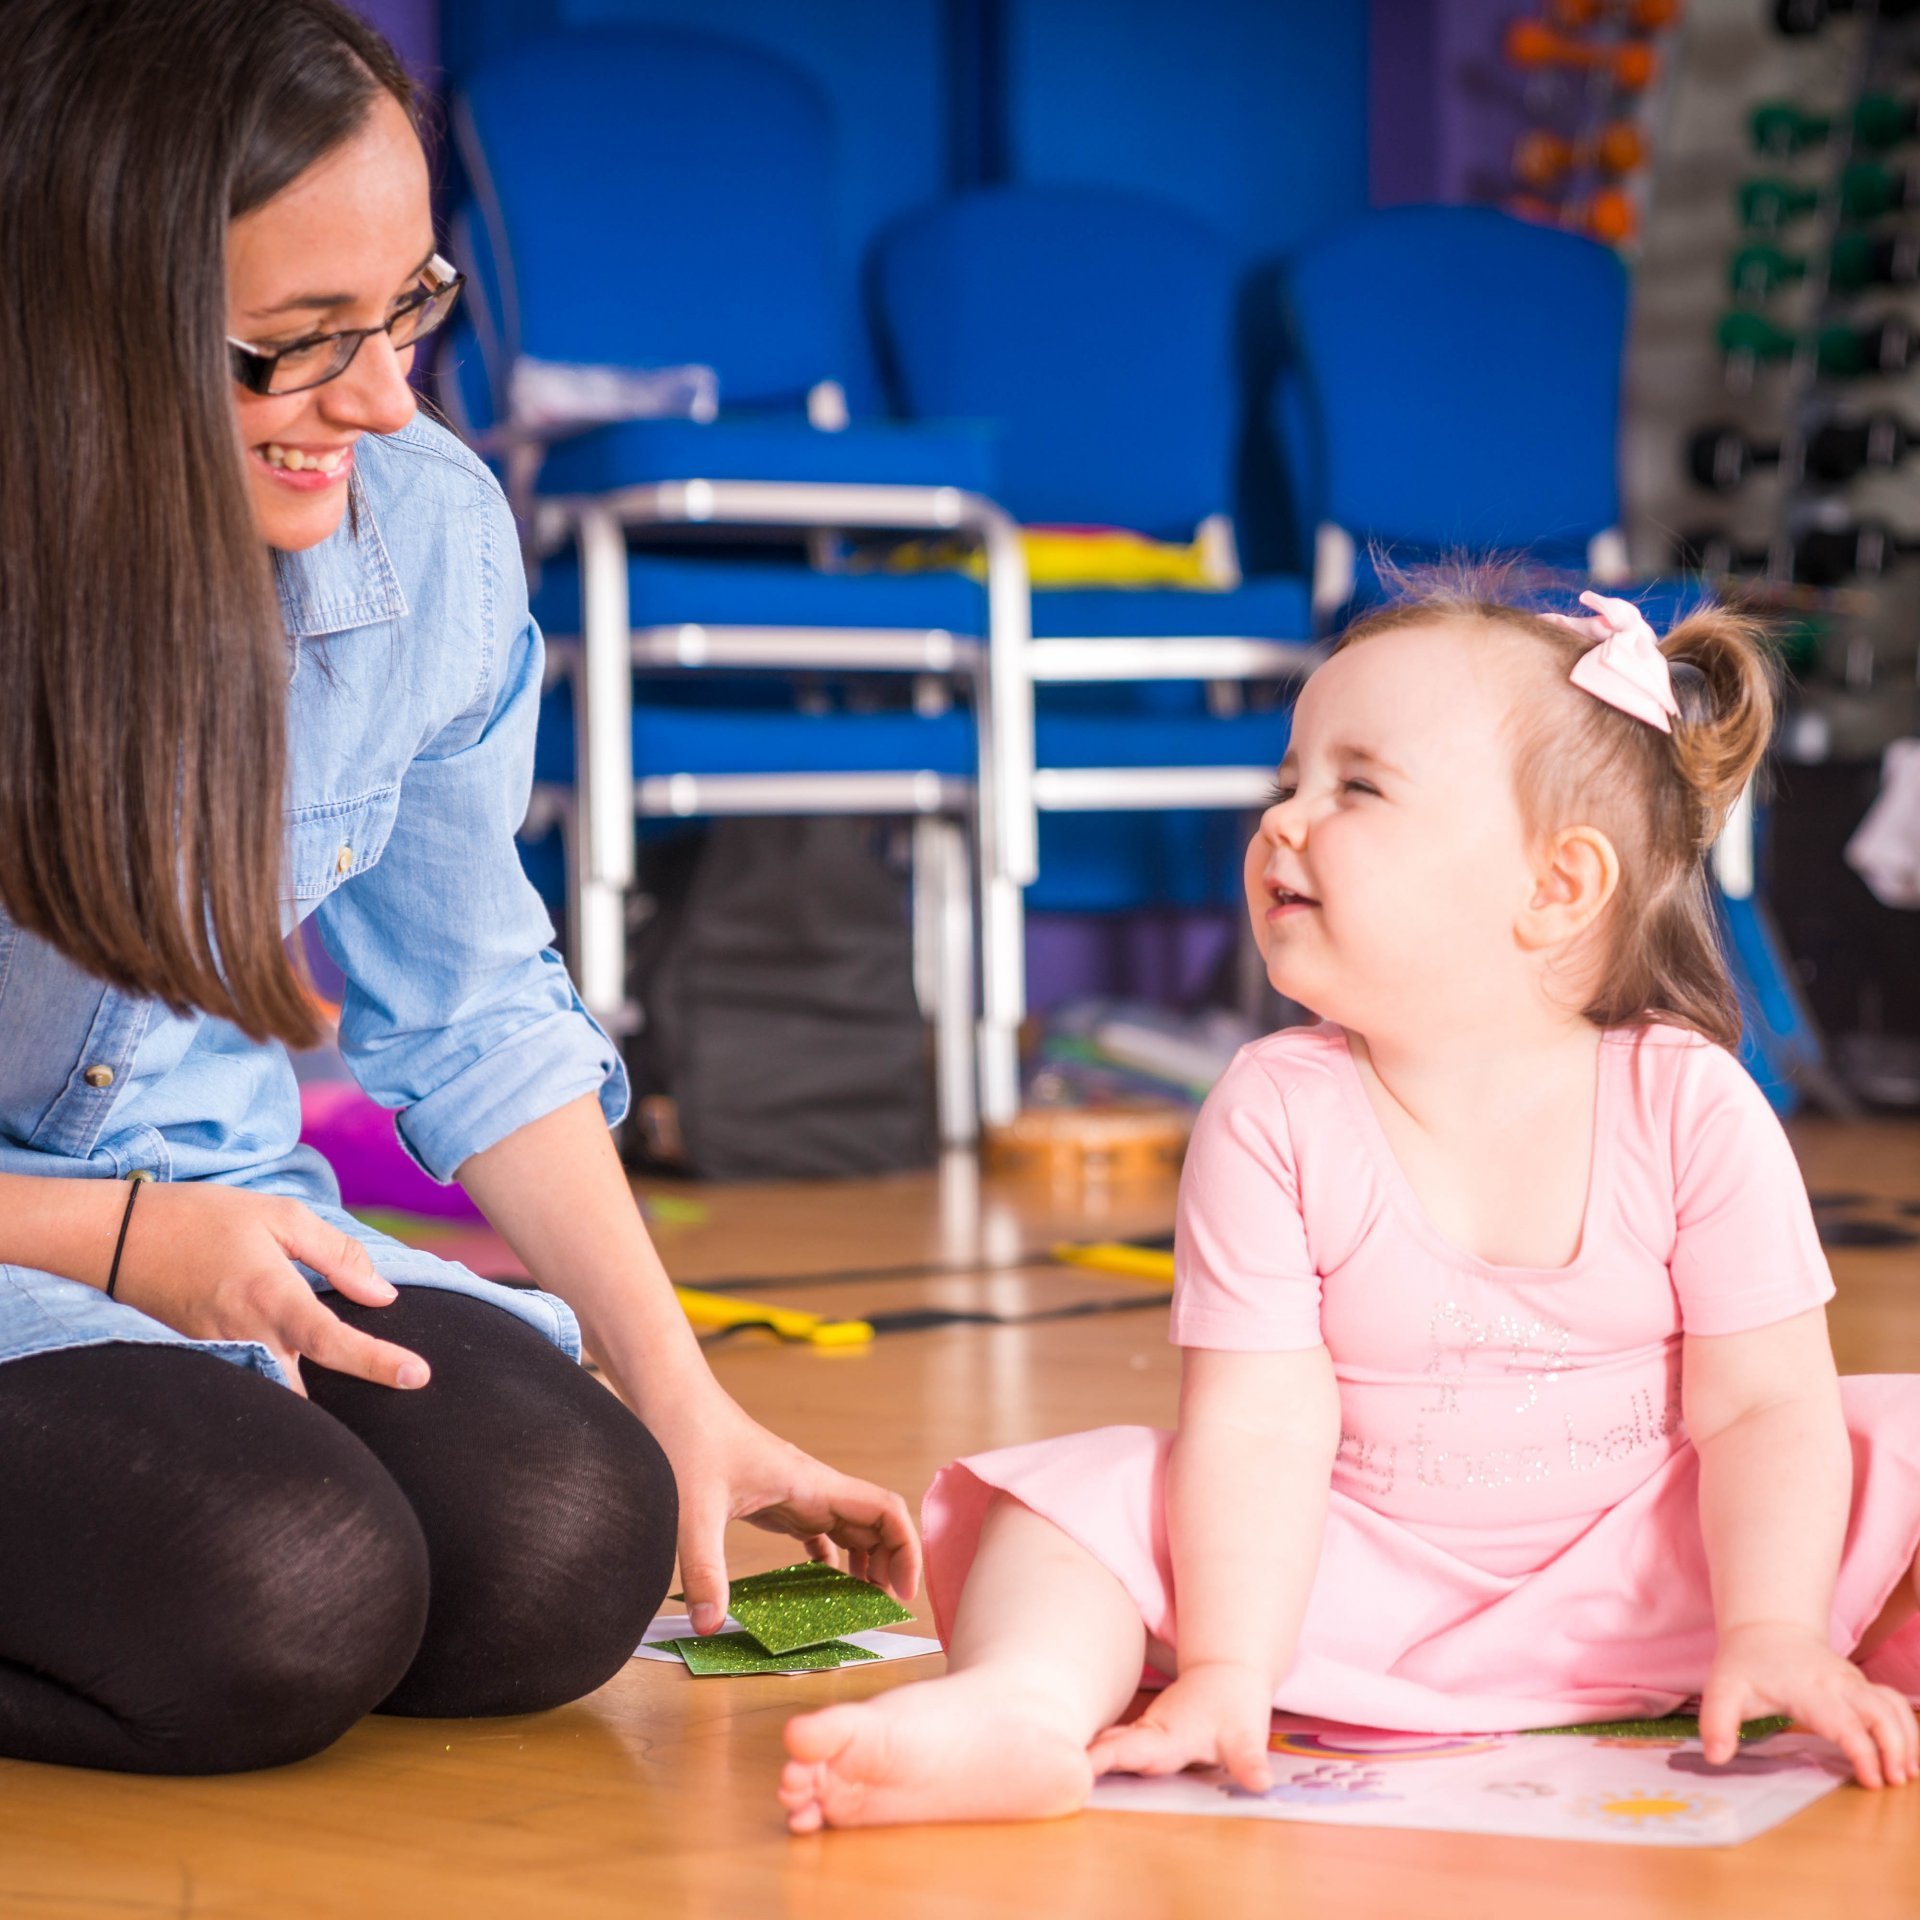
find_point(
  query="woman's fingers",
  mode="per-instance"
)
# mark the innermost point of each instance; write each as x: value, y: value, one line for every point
x: 875, y: 1522
x: 337, y: 1257
x: 703, y: 1564
x: 289, y: 1363
x: 323, y: 1337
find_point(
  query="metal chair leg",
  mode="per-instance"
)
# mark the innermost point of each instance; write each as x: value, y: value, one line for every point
x: 603, y: 746
x: 1003, y: 997
x: 943, y: 960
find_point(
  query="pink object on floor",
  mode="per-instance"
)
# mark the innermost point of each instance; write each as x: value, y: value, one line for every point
x: 357, y: 1139
x: 1513, y: 1537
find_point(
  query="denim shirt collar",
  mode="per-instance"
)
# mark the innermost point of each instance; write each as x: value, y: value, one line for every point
x: 347, y: 581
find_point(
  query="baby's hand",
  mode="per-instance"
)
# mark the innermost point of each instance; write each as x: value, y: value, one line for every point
x: 1213, y: 1715
x: 1776, y: 1667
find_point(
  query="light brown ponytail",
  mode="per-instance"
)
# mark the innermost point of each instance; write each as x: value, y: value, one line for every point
x: 1727, y: 705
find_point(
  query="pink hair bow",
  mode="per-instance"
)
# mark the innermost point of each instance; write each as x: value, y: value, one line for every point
x: 1626, y: 669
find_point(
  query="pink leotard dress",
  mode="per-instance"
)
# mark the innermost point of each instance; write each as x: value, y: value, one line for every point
x: 1513, y: 1538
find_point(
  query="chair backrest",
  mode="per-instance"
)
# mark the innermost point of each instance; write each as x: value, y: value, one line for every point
x: 1095, y: 328
x: 656, y: 197
x: 1456, y: 380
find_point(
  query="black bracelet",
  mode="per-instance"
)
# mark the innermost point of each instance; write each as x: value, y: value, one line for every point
x: 135, y: 1181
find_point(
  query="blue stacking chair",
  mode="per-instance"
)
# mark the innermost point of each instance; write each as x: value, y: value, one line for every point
x: 1455, y: 387
x: 646, y: 198
x: 1096, y: 330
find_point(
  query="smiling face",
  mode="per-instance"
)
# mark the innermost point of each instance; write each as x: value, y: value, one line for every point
x: 339, y: 248
x: 1387, y: 881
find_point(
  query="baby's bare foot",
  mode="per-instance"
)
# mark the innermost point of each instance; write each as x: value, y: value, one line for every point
x: 943, y: 1750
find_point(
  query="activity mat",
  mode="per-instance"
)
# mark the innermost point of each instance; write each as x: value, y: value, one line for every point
x: 1642, y: 1783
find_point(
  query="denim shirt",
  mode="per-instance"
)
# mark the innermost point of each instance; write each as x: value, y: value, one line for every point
x: 415, y: 681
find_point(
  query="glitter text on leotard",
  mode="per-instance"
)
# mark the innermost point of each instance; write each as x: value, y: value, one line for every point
x: 1535, y: 1349
x: 1644, y: 1427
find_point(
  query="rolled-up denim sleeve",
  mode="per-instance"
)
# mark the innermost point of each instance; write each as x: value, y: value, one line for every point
x: 457, y: 1011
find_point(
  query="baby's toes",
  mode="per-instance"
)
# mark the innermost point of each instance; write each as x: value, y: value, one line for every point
x: 799, y: 1795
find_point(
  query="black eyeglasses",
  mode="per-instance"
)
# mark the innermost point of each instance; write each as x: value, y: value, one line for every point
x: 321, y: 357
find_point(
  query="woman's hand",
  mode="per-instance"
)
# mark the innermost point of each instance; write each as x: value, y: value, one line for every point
x: 216, y: 1263
x: 1777, y: 1667
x: 730, y: 1468
x: 1215, y: 1714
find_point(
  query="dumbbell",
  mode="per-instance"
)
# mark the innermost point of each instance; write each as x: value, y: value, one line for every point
x: 1869, y: 189
x: 1800, y: 17
x: 1629, y: 64
x: 1766, y: 205
x: 1721, y: 457
x: 1858, y: 260
x: 1880, y: 120
x: 1886, y: 345
x: 1822, y: 556
x: 1542, y: 159
x: 1608, y: 216
x: 1643, y: 16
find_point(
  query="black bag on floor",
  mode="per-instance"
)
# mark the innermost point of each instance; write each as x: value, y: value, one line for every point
x: 781, y: 1034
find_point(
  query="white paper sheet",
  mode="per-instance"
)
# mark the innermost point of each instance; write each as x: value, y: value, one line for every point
x: 1649, y: 1793
x: 882, y: 1641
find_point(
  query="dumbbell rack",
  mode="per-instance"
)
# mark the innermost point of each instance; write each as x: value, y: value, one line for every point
x: 1807, y: 403
x: 1853, y: 685
x: 1857, y: 628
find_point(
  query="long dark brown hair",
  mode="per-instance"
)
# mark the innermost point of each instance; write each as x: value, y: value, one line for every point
x: 143, y: 660
x: 1661, y: 798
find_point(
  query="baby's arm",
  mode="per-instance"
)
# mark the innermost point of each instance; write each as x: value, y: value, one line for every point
x: 1246, y: 1505
x: 1763, y: 1410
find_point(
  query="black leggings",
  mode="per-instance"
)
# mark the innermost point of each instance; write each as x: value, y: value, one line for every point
x: 204, y: 1573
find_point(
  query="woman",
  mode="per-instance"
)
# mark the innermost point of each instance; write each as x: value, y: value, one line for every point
x: 264, y: 637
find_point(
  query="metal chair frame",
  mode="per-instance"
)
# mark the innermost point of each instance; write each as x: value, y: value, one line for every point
x: 971, y: 1054
x: 1225, y: 662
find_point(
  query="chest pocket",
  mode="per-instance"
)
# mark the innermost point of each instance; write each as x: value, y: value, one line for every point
x: 332, y: 840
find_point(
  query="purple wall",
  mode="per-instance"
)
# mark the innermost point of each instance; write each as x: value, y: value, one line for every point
x: 414, y: 28
x: 1443, y: 106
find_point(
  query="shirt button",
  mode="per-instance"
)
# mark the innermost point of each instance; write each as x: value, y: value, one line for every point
x: 343, y: 860
x: 98, y: 1076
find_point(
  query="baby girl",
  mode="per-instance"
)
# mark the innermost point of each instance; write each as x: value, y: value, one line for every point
x: 1507, y: 1399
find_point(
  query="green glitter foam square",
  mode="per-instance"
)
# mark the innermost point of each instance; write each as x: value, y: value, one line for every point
x: 741, y: 1653
x: 1676, y: 1726
x: 808, y: 1605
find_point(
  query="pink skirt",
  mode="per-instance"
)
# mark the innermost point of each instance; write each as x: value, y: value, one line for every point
x: 1400, y: 1633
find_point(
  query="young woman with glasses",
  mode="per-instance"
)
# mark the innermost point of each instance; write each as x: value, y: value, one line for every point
x: 264, y: 655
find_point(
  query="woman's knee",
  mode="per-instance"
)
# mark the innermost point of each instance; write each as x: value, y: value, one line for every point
x: 541, y: 1594
x: 221, y: 1576
x: 549, y: 1510
x: 310, y: 1608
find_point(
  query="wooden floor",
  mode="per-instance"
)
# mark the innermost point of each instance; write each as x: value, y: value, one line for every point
x: 655, y: 1796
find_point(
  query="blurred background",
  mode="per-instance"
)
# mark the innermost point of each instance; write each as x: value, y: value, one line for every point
x: 943, y: 431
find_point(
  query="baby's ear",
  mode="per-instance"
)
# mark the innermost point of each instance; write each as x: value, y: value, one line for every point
x: 1575, y: 875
